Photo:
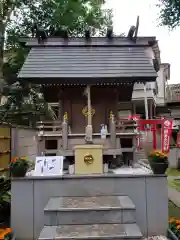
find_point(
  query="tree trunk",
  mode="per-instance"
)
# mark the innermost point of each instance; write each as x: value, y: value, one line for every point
x: 2, y: 33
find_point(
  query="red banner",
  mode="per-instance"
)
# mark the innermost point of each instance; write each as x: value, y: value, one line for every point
x: 166, y: 135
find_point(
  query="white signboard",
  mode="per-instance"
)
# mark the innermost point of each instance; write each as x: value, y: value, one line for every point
x: 49, y: 166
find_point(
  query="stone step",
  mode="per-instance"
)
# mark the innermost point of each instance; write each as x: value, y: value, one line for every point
x: 91, y: 231
x: 89, y: 210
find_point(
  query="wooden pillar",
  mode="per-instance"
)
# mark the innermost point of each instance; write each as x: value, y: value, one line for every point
x: 146, y: 102
x: 89, y: 129
x: 150, y: 103
x: 89, y: 105
x: 41, y: 146
x: 134, y: 108
x: 60, y: 107
x: 154, y: 110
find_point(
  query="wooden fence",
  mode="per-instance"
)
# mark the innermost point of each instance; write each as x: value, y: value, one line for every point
x: 5, y: 146
x: 16, y: 141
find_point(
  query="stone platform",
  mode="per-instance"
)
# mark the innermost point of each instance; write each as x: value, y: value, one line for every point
x: 69, y: 200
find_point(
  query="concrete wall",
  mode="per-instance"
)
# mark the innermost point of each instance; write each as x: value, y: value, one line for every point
x: 163, y: 75
x: 173, y: 157
x: 138, y: 91
x: 24, y: 142
x: 30, y: 195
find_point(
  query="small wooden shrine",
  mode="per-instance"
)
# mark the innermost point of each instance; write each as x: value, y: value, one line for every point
x: 85, y: 79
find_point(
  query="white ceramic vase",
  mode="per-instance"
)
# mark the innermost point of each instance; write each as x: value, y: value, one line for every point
x: 71, y: 169
x: 105, y: 167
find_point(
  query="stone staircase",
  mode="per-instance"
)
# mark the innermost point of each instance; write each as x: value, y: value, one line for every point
x: 98, y: 217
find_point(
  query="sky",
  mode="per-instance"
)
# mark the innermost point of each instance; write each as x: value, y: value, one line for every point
x: 125, y: 13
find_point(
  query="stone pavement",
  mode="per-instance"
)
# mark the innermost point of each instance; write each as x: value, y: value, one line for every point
x: 174, y: 177
x: 173, y: 194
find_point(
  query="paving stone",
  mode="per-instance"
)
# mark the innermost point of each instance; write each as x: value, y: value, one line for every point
x: 132, y: 230
x: 48, y: 233
x: 92, y: 231
x: 89, y: 210
x: 128, y: 216
x: 89, y: 202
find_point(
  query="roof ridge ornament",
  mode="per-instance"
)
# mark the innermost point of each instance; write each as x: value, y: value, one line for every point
x: 40, y: 33
x: 133, y: 31
x: 109, y: 33
x: 87, y: 34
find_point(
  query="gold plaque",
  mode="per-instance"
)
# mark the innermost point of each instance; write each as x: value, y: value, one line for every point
x: 85, y: 111
x: 88, y: 159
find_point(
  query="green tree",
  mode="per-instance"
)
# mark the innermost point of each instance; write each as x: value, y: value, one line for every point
x: 169, y: 13
x: 17, y: 20
x: 74, y: 15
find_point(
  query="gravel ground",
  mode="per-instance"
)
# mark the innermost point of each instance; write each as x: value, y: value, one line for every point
x: 157, y: 238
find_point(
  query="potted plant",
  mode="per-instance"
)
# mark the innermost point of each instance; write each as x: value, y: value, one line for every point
x: 174, y: 228
x: 158, y: 161
x: 18, y: 166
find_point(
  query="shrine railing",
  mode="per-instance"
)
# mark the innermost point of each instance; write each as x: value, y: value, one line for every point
x: 124, y: 124
x: 53, y: 126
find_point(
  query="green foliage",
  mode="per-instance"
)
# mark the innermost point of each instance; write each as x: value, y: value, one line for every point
x: 17, y: 20
x: 174, y: 134
x: 5, y: 187
x: 19, y: 162
x: 173, y: 172
x: 170, y: 13
x: 74, y: 15
x: 5, y: 200
x: 24, y: 105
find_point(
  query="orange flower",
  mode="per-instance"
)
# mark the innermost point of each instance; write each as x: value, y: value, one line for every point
x: 178, y: 227
x: 4, y: 231
x: 172, y: 220
x: 178, y: 221
x: 18, y: 158
x: 14, y: 159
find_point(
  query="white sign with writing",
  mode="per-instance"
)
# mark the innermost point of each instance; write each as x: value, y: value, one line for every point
x: 49, y: 166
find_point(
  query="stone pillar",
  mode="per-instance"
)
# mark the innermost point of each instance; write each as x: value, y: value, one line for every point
x: 41, y: 141
x: 60, y: 108
x: 134, y: 161
x: 112, y: 130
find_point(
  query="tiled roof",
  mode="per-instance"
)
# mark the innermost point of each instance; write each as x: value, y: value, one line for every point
x: 84, y: 61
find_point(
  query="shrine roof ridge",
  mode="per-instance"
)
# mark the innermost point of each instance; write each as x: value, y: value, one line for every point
x: 93, y: 41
